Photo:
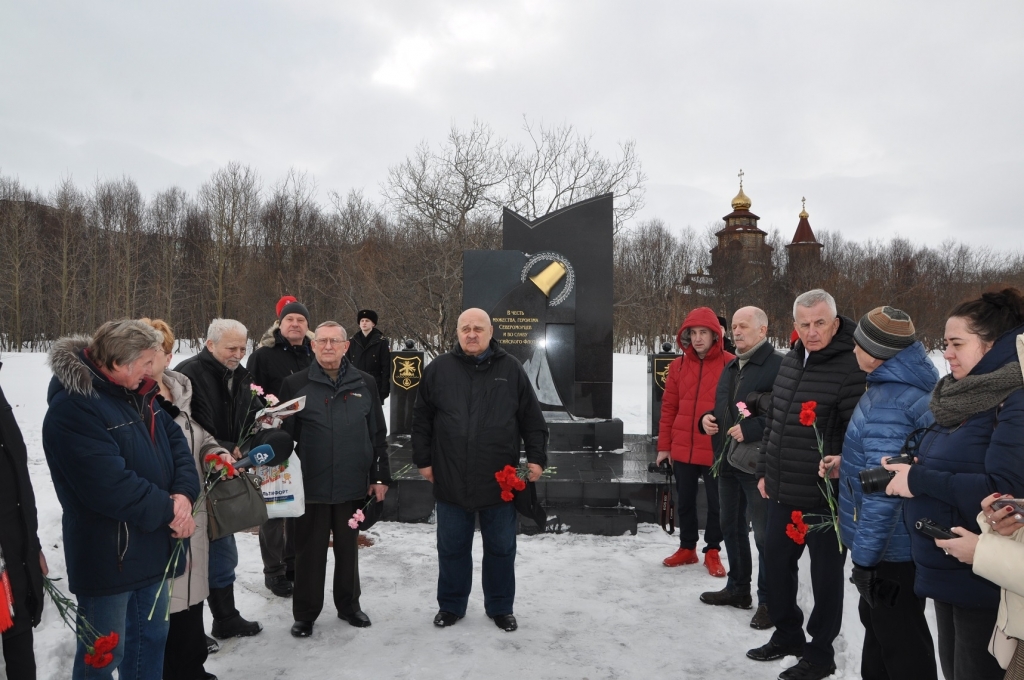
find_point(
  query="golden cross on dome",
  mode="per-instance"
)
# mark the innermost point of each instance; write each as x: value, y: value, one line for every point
x: 741, y: 178
x: 803, y: 204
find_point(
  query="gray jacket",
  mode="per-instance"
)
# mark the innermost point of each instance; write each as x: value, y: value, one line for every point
x: 339, y: 435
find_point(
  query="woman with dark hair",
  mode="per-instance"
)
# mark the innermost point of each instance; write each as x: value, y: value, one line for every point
x: 968, y: 447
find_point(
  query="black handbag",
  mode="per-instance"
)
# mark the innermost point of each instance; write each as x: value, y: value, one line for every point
x: 235, y: 504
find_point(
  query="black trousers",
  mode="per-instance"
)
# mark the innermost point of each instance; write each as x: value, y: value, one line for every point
x: 781, y: 558
x: 963, y: 642
x: 897, y: 640
x: 185, y: 650
x: 312, y: 536
x: 19, y: 657
x: 277, y: 546
x: 687, y: 481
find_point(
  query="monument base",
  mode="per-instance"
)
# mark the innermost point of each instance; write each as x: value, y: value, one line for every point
x: 583, y: 434
x: 593, y: 492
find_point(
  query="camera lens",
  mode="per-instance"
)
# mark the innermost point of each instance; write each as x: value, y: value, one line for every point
x: 875, y: 479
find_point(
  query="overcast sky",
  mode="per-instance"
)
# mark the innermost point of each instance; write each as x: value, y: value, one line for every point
x: 890, y: 117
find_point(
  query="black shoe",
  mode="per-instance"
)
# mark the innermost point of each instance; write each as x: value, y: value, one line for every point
x: 302, y: 629
x: 445, y: 619
x: 772, y: 651
x: 761, y: 620
x: 805, y: 670
x: 279, y: 585
x: 212, y: 646
x: 507, y: 622
x: 208, y: 676
x: 357, y: 619
x: 290, y: 575
x: 726, y: 597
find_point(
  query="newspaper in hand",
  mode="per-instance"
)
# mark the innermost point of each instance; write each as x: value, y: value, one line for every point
x: 271, y: 417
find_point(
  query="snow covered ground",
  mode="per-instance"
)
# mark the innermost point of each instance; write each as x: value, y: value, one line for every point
x: 589, y: 607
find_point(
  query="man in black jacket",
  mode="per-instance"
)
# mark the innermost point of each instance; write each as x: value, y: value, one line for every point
x: 475, y: 405
x: 753, y: 370
x: 820, y: 368
x: 19, y: 543
x: 369, y: 351
x: 224, y: 403
x: 340, y: 437
x: 285, y: 349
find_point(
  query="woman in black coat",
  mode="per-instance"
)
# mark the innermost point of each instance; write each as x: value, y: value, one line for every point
x: 20, y: 544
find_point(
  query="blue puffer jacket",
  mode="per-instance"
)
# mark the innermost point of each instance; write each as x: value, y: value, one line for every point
x: 897, y: 397
x: 115, y: 458
x: 960, y: 465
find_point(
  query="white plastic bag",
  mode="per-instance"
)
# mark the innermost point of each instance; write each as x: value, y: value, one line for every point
x: 282, y: 489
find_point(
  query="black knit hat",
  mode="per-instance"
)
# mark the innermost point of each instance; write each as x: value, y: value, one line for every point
x: 884, y: 332
x: 293, y: 308
x: 367, y: 314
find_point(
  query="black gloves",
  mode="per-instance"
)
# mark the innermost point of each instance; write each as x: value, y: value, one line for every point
x: 875, y: 591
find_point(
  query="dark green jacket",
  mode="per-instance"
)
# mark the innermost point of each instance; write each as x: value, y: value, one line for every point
x: 339, y: 435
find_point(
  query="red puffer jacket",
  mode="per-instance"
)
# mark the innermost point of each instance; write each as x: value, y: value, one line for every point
x: 690, y: 391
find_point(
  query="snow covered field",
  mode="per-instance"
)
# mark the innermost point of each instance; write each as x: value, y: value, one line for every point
x: 588, y: 606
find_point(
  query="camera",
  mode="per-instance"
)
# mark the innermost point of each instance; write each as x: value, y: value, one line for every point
x: 876, y: 479
x: 664, y: 468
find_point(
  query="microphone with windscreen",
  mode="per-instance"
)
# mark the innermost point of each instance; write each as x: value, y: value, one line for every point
x: 259, y: 455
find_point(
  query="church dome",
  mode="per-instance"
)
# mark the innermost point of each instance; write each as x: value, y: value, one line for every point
x: 741, y: 202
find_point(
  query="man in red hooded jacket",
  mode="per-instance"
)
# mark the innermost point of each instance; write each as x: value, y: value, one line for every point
x: 689, y: 393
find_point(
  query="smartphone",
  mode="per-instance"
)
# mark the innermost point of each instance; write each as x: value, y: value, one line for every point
x: 930, y: 528
x: 1016, y: 503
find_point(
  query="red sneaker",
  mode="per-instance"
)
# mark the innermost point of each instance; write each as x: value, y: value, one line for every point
x: 681, y: 557
x: 714, y: 564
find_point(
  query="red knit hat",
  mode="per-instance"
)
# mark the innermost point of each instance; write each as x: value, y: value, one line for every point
x: 282, y: 302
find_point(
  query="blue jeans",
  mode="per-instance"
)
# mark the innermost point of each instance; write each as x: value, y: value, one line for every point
x: 455, y: 528
x: 740, y: 501
x: 139, y: 654
x: 223, y: 560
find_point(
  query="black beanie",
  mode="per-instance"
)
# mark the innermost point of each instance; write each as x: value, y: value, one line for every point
x: 367, y: 314
x: 294, y: 308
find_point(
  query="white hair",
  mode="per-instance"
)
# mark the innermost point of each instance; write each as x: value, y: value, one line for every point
x: 218, y: 327
x: 334, y: 324
x: 814, y: 297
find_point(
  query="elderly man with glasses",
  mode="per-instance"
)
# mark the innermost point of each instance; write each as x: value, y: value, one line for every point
x: 340, y: 438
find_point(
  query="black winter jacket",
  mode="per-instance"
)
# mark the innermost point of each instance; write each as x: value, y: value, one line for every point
x: 340, y: 435
x: 468, y: 422
x: 789, y: 458
x: 758, y: 375
x: 224, y: 413
x: 276, y: 359
x: 372, y: 354
x: 18, y: 524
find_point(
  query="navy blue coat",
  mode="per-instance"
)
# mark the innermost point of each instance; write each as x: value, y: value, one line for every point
x: 115, y: 458
x: 897, y: 397
x: 961, y: 465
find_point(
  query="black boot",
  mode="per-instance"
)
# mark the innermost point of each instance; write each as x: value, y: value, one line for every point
x: 227, y: 622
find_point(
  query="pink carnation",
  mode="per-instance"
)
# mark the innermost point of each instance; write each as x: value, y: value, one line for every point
x: 271, y: 399
x: 353, y: 523
x: 742, y: 408
x: 359, y: 516
x: 257, y: 389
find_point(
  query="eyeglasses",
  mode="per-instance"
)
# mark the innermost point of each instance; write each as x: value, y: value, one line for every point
x: 329, y: 341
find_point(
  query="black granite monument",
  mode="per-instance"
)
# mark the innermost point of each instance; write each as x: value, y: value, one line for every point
x: 549, y: 293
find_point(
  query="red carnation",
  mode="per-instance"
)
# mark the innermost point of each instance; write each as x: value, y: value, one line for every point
x: 797, y: 531
x: 211, y: 459
x: 807, y: 413
x: 106, y: 643
x: 506, y: 495
x: 98, y: 660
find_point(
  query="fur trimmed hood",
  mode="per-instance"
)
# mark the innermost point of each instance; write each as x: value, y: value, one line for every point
x: 65, y: 361
x: 269, y: 338
x: 180, y: 388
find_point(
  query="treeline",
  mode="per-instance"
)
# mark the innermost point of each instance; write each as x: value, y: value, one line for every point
x: 78, y: 256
